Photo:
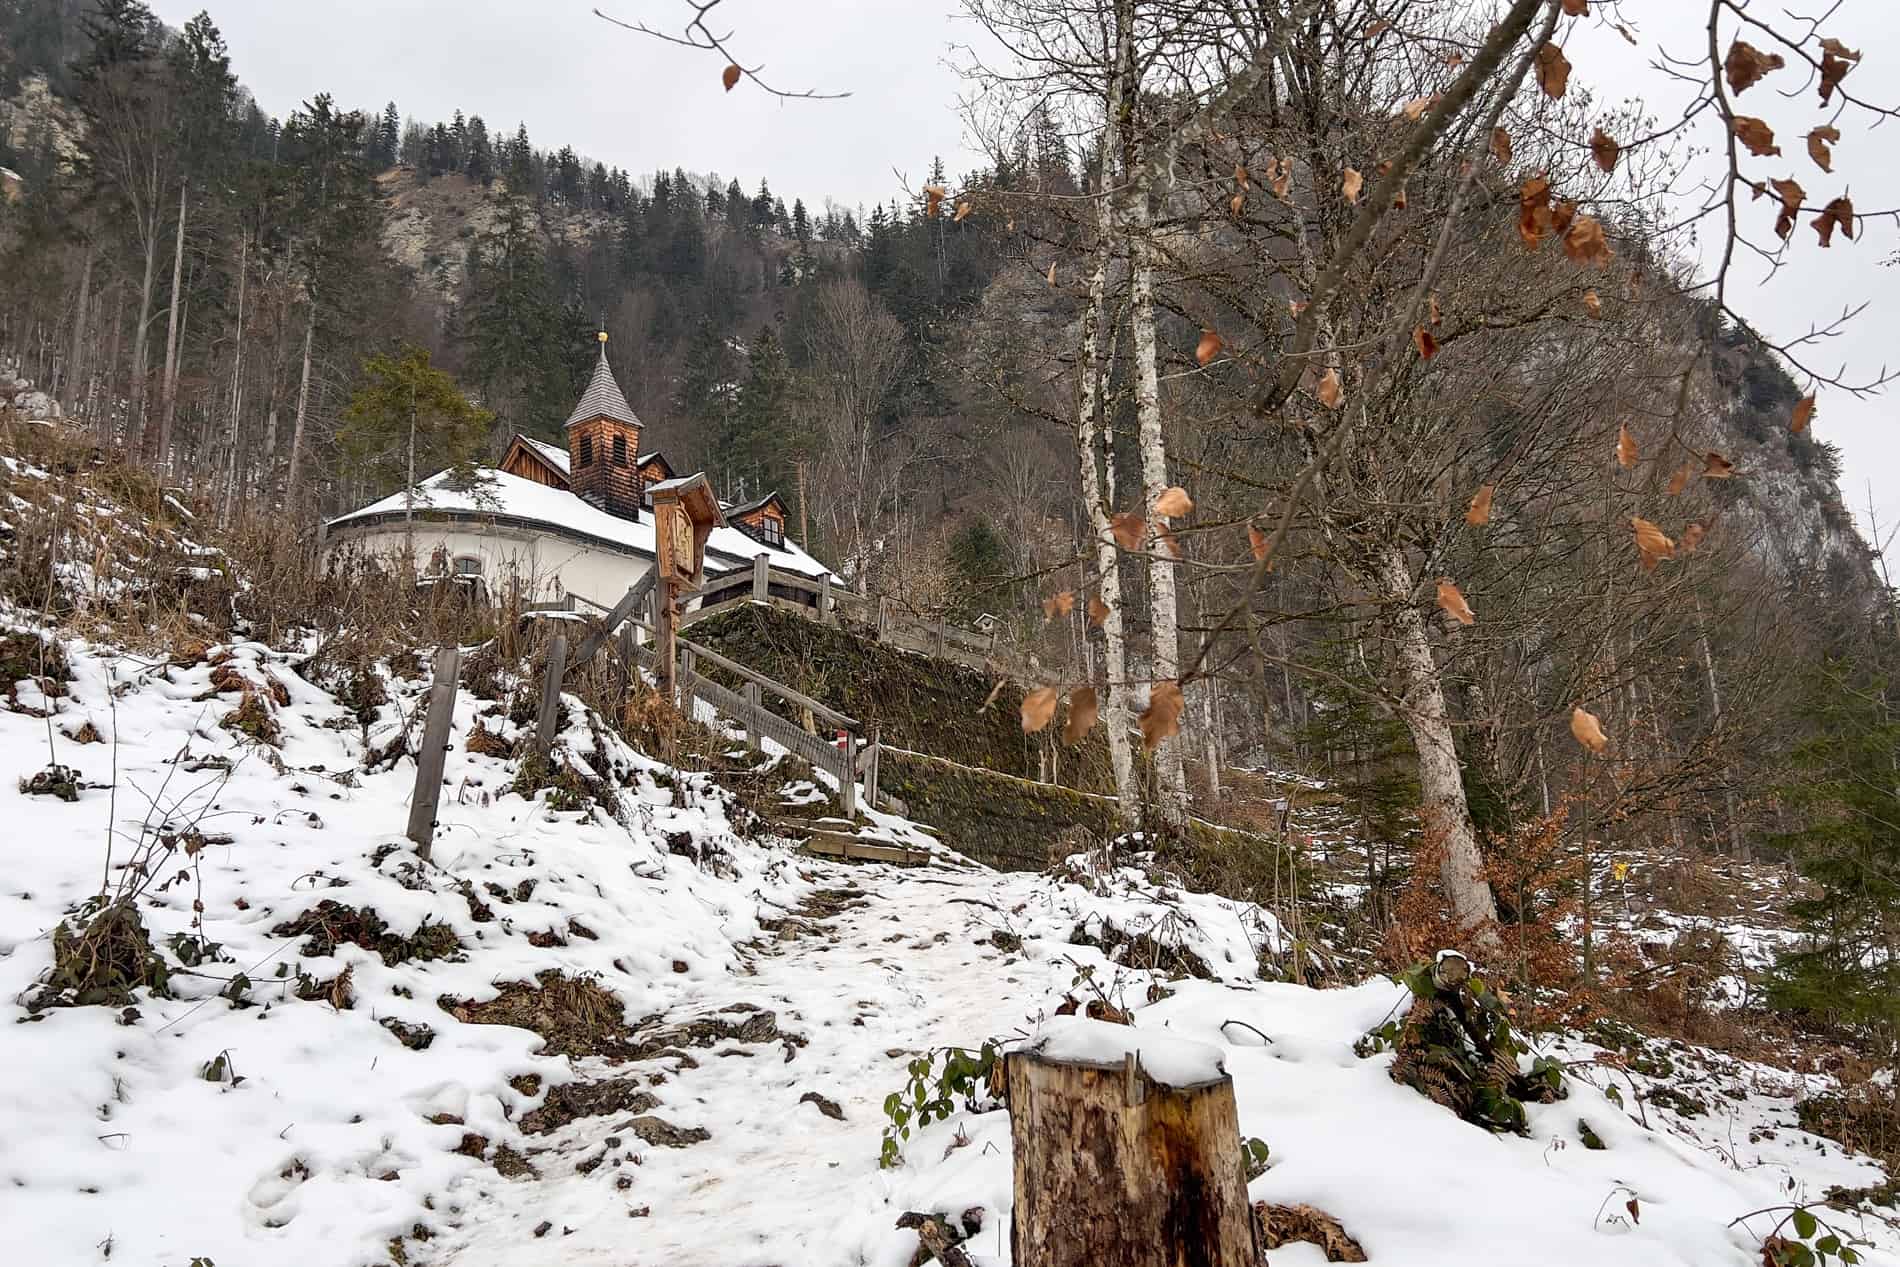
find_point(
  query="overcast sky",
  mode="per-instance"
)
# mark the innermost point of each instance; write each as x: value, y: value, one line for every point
x: 634, y: 102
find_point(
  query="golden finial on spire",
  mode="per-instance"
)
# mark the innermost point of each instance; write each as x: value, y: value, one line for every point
x: 602, y: 336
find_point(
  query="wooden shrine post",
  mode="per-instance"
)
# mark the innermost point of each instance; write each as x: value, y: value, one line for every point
x: 684, y: 514
x: 1115, y: 1168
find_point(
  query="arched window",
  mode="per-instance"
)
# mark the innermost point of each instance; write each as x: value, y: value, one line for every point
x: 620, y: 450
x: 587, y: 450
x: 468, y: 565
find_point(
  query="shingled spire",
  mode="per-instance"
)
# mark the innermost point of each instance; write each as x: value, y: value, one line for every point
x: 603, y: 444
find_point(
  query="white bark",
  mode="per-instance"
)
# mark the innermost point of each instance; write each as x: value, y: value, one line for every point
x: 1170, y: 777
x: 303, y: 405
x: 168, y: 398
x: 1440, y: 782
x: 1114, y: 702
x: 76, y: 358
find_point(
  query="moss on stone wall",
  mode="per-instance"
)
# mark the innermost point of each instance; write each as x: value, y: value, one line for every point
x: 1000, y: 820
x: 920, y: 703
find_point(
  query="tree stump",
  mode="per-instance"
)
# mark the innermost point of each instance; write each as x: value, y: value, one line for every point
x: 1127, y: 1152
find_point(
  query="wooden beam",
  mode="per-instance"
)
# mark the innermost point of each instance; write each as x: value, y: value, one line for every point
x: 549, y: 715
x: 629, y: 603
x: 435, y: 743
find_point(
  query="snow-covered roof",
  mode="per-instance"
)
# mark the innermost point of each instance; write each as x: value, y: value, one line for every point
x: 557, y: 457
x: 603, y: 398
x: 497, y: 494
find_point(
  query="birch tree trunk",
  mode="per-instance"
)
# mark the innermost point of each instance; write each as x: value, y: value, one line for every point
x: 76, y: 359
x: 1170, y: 777
x: 237, y: 380
x: 137, y: 432
x: 168, y: 397
x: 1441, y: 783
x: 1731, y: 801
x: 1115, y: 714
x: 303, y: 407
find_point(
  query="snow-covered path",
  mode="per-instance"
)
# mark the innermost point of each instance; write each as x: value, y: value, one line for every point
x: 879, y: 967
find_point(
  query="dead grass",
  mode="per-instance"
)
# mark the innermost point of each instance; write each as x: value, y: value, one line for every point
x: 576, y: 1016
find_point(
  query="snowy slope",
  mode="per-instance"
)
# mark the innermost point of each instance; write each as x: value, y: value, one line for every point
x: 337, y: 1142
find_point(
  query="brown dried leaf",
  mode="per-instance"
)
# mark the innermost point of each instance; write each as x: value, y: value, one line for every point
x: 1576, y: 8
x: 1052, y: 272
x: 1431, y: 302
x: 1680, y: 480
x: 1592, y: 302
x: 1803, y: 414
x: 1083, y: 712
x: 1836, y: 60
x: 1173, y: 502
x: 1501, y: 145
x: 1533, y: 211
x: 963, y: 209
x: 1417, y: 106
x: 1129, y: 529
x: 1716, y: 467
x: 1331, y: 394
x: 1098, y: 610
x: 1478, y: 512
x: 1240, y: 175
x: 1691, y: 538
x: 1626, y: 450
x: 1553, y: 70
x: 1237, y: 204
x: 1058, y: 604
x: 933, y: 196
x: 1756, y: 135
x: 1651, y: 540
x: 1791, y: 194
x: 1604, y: 149
x: 1585, y: 244
x: 1038, y: 707
x: 1169, y: 541
x: 1208, y: 348
x: 1837, y: 214
x: 1453, y: 602
x: 996, y: 690
x: 1818, y: 142
x: 1351, y: 184
x: 1746, y: 64
x: 1425, y: 341
x: 1162, y: 717
x: 1256, y: 542
x: 1587, y: 730
x: 730, y: 76
x: 1279, y: 175
x: 1376, y: 28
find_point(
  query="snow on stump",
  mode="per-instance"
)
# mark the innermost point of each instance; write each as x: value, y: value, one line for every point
x: 1127, y: 1152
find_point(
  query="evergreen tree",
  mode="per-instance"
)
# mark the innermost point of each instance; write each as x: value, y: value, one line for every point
x: 1846, y: 971
x: 738, y: 206
x: 525, y: 340
x: 801, y: 221
x: 388, y: 138
x: 406, y: 420
x: 480, y: 166
x: 520, y: 170
x: 762, y: 207
x: 754, y: 447
x: 706, y: 394
x: 715, y: 196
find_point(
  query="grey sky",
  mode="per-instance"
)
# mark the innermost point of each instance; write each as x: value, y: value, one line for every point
x: 638, y: 103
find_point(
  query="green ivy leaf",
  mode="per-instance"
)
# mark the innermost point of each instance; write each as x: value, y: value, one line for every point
x: 1804, y: 1223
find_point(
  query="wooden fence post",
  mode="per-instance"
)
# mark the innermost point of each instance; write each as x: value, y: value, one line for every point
x: 687, y: 662
x: 755, y: 699
x: 435, y: 742
x: 1177, y: 1191
x: 870, y: 768
x: 550, y: 715
x: 847, y: 771
x: 942, y: 631
x: 883, y: 616
x: 762, y: 578
x: 825, y: 614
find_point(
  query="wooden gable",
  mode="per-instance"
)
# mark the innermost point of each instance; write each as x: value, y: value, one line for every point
x: 528, y: 462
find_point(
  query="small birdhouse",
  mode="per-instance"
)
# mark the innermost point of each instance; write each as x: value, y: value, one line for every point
x: 684, y: 514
